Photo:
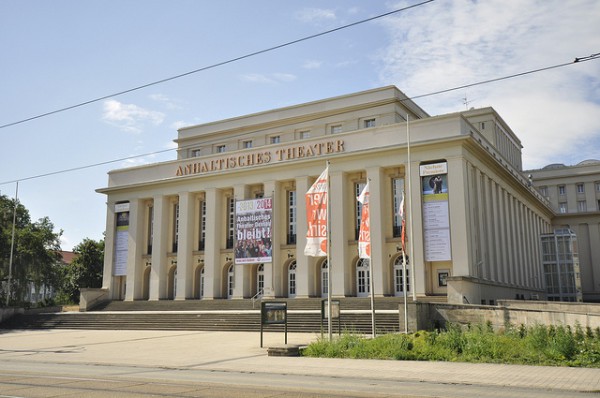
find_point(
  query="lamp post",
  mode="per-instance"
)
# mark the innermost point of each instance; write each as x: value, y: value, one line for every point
x: 12, y: 246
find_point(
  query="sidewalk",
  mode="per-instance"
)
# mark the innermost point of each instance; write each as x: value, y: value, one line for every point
x: 241, y: 352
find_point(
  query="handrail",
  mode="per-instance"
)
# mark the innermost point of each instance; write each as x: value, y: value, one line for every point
x: 257, y: 296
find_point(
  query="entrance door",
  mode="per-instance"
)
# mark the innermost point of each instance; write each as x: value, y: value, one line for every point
x: 324, y: 278
x: 398, y: 277
x: 363, y: 278
x: 260, y: 280
x: 292, y: 279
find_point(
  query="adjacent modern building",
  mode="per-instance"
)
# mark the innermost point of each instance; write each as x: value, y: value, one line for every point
x: 574, y: 194
x: 178, y: 230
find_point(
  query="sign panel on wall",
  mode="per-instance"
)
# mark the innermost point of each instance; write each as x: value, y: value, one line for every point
x: 253, y: 221
x: 436, y: 217
x: 121, y: 239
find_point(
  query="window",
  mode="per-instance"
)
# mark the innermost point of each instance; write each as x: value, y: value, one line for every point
x: 276, y: 139
x: 483, y: 125
x: 230, y: 222
x: 580, y: 188
x: 562, y: 207
x: 291, y: 206
x: 195, y: 153
x: 544, y: 191
x: 336, y: 129
x: 221, y: 148
x: 597, y: 186
x: 397, y: 190
x: 562, y: 190
x: 150, y: 228
x: 581, y: 206
x: 598, y: 204
x: 202, y: 226
x: 175, y: 226
x: 358, y: 187
x: 369, y: 123
x: 303, y: 135
x: 247, y: 144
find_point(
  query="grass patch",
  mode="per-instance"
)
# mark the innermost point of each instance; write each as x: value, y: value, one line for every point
x: 534, y: 345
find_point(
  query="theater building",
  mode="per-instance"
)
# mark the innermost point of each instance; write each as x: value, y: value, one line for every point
x: 473, y: 221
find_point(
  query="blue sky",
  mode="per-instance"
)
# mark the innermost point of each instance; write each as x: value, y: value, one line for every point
x: 60, y: 53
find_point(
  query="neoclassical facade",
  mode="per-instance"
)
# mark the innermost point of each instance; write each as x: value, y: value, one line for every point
x: 473, y: 221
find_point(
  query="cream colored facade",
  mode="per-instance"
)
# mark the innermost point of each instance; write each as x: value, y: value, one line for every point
x: 574, y: 193
x: 179, y: 240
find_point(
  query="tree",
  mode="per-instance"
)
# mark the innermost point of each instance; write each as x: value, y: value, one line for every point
x: 35, y: 252
x: 85, y: 269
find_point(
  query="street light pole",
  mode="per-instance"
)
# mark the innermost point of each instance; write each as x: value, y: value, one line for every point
x: 12, y: 246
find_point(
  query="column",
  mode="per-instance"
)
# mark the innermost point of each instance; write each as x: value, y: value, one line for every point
x: 109, y: 248
x: 380, y: 269
x: 242, y: 285
x: 158, y: 274
x: 339, y: 268
x: 185, y: 246
x: 135, y: 244
x: 273, y: 271
x: 305, y: 266
x: 212, y: 253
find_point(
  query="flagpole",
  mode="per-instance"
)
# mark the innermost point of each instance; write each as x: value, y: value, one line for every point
x: 12, y: 246
x: 410, y: 225
x: 329, y: 267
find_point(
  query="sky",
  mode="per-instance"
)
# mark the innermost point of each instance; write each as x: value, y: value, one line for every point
x: 61, y: 53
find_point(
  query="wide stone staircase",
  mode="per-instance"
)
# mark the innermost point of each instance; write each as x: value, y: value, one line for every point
x: 304, y: 315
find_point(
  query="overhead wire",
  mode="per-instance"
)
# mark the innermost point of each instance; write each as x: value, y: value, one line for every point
x: 216, y: 65
x: 576, y: 61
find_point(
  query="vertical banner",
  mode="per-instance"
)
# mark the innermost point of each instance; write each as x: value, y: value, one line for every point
x: 121, y: 239
x: 316, y: 217
x: 364, y: 235
x: 254, y: 226
x: 436, y: 217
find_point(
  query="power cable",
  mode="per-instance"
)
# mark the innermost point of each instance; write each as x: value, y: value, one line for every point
x: 218, y: 64
x: 577, y: 60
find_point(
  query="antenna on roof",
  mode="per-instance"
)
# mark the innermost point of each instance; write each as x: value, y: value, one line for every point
x: 466, y: 102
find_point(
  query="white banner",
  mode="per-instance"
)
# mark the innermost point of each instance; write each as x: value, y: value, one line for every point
x: 364, y: 236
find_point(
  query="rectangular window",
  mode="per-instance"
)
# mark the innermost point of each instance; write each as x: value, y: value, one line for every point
x: 562, y: 190
x: 202, y: 226
x: 598, y: 204
x: 150, y: 228
x: 259, y: 195
x: 580, y: 188
x: 358, y: 187
x: 397, y: 189
x: 230, y: 222
x: 247, y: 144
x: 221, y: 148
x: 336, y: 129
x: 303, y: 135
x: 175, y: 226
x: 369, y: 123
x: 276, y: 139
x: 581, y: 206
x: 562, y: 207
x: 195, y: 153
x: 597, y: 186
x: 292, y: 214
x: 544, y: 191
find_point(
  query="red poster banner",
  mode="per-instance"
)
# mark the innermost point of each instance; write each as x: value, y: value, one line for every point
x: 364, y: 236
x: 316, y: 217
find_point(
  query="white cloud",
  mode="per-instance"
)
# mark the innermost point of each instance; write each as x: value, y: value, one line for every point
x: 449, y: 44
x: 129, y: 117
x: 268, y: 78
x: 315, y: 15
x: 312, y: 64
x: 168, y: 102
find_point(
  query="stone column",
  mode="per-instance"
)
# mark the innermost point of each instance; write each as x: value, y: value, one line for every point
x: 339, y: 268
x: 305, y: 266
x: 380, y: 268
x: 109, y: 249
x: 273, y: 271
x: 185, y: 246
x: 242, y: 278
x: 212, y: 247
x: 158, y: 274
x: 135, y: 268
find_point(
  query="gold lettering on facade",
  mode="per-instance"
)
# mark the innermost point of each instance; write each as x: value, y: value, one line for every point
x: 258, y: 158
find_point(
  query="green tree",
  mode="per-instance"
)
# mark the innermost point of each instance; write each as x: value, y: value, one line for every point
x: 35, y: 252
x: 85, y: 270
